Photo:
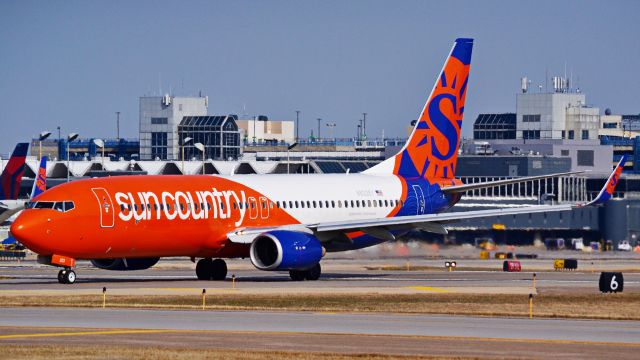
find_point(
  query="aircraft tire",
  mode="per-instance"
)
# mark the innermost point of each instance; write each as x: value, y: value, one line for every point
x: 61, y: 275
x: 313, y: 273
x: 204, y: 269
x: 297, y: 275
x: 218, y: 269
x: 70, y: 277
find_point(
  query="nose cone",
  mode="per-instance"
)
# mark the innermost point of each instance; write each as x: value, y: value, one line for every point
x: 29, y: 230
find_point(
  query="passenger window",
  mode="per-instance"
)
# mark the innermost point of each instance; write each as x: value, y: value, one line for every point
x: 308, y: 204
x: 352, y: 203
x: 302, y: 204
x: 320, y: 204
x: 296, y: 202
x: 333, y: 204
x: 339, y: 203
x: 235, y: 206
x: 155, y: 207
x: 121, y: 207
x: 314, y: 204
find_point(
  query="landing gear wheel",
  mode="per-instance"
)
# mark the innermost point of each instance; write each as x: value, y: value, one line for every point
x: 218, y: 269
x: 297, y: 275
x: 70, y: 277
x: 66, y: 276
x: 61, y: 275
x: 313, y: 273
x: 203, y: 269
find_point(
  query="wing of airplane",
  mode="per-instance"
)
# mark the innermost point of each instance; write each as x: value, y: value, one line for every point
x: 466, y: 187
x: 382, y: 228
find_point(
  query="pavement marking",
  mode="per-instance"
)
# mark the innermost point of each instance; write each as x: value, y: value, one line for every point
x: 427, y: 288
x: 249, y: 332
x: 80, y: 333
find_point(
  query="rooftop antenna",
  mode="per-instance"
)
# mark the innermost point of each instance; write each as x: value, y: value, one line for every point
x: 570, y: 78
x: 546, y: 80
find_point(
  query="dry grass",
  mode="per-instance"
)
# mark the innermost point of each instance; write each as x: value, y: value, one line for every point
x: 589, y: 306
x: 127, y: 352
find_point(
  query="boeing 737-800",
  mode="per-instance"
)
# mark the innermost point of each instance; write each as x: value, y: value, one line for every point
x: 281, y: 222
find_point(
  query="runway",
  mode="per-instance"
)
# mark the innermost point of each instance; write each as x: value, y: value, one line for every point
x: 339, y: 275
x: 341, y: 332
x: 325, y: 332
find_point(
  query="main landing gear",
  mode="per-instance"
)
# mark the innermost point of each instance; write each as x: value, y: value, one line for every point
x: 208, y: 269
x: 66, y: 276
x: 309, y: 274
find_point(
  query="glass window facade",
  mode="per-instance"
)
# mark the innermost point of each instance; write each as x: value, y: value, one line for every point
x: 159, y: 145
x: 495, y: 126
x: 219, y: 135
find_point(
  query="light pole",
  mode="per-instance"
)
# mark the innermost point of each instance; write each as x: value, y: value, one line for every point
x: 297, y: 125
x: 331, y: 126
x: 118, y: 125
x: 319, y: 120
x: 43, y: 136
x: 289, y: 148
x: 185, y: 141
x: 200, y: 147
x: 70, y: 138
x: 364, y: 126
x: 99, y: 143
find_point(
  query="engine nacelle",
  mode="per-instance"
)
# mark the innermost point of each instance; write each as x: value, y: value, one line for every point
x: 285, y: 250
x: 124, y: 264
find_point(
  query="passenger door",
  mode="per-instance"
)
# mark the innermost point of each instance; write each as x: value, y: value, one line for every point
x: 107, y: 212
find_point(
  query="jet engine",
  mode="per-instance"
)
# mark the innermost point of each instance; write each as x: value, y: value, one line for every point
x: 125, y: 264
x: 285, y: 250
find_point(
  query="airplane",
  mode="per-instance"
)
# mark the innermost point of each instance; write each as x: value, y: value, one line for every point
x: 13, y: 207
x: 281, y: 222
x: 10, y: 181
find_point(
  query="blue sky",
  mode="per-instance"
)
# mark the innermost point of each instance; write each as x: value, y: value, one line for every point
x: 74, y: 64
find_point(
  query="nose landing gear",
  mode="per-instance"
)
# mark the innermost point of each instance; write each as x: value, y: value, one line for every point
x: 66, y: 276
x: 208, y: 269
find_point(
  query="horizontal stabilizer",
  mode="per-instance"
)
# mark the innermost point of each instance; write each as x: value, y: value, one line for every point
x: 466, y: 187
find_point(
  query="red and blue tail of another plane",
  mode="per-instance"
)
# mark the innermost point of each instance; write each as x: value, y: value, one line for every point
x: 431, y: 152
x: 11, y: 177
x: 607, y: 191
x: 40, y: 184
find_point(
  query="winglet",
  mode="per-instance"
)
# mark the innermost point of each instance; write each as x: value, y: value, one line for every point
x: 608, y: 188
x: 40, y: 183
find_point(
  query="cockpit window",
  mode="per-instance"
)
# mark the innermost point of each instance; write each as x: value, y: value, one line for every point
x: 62, y: 206
x: 44, y: 205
